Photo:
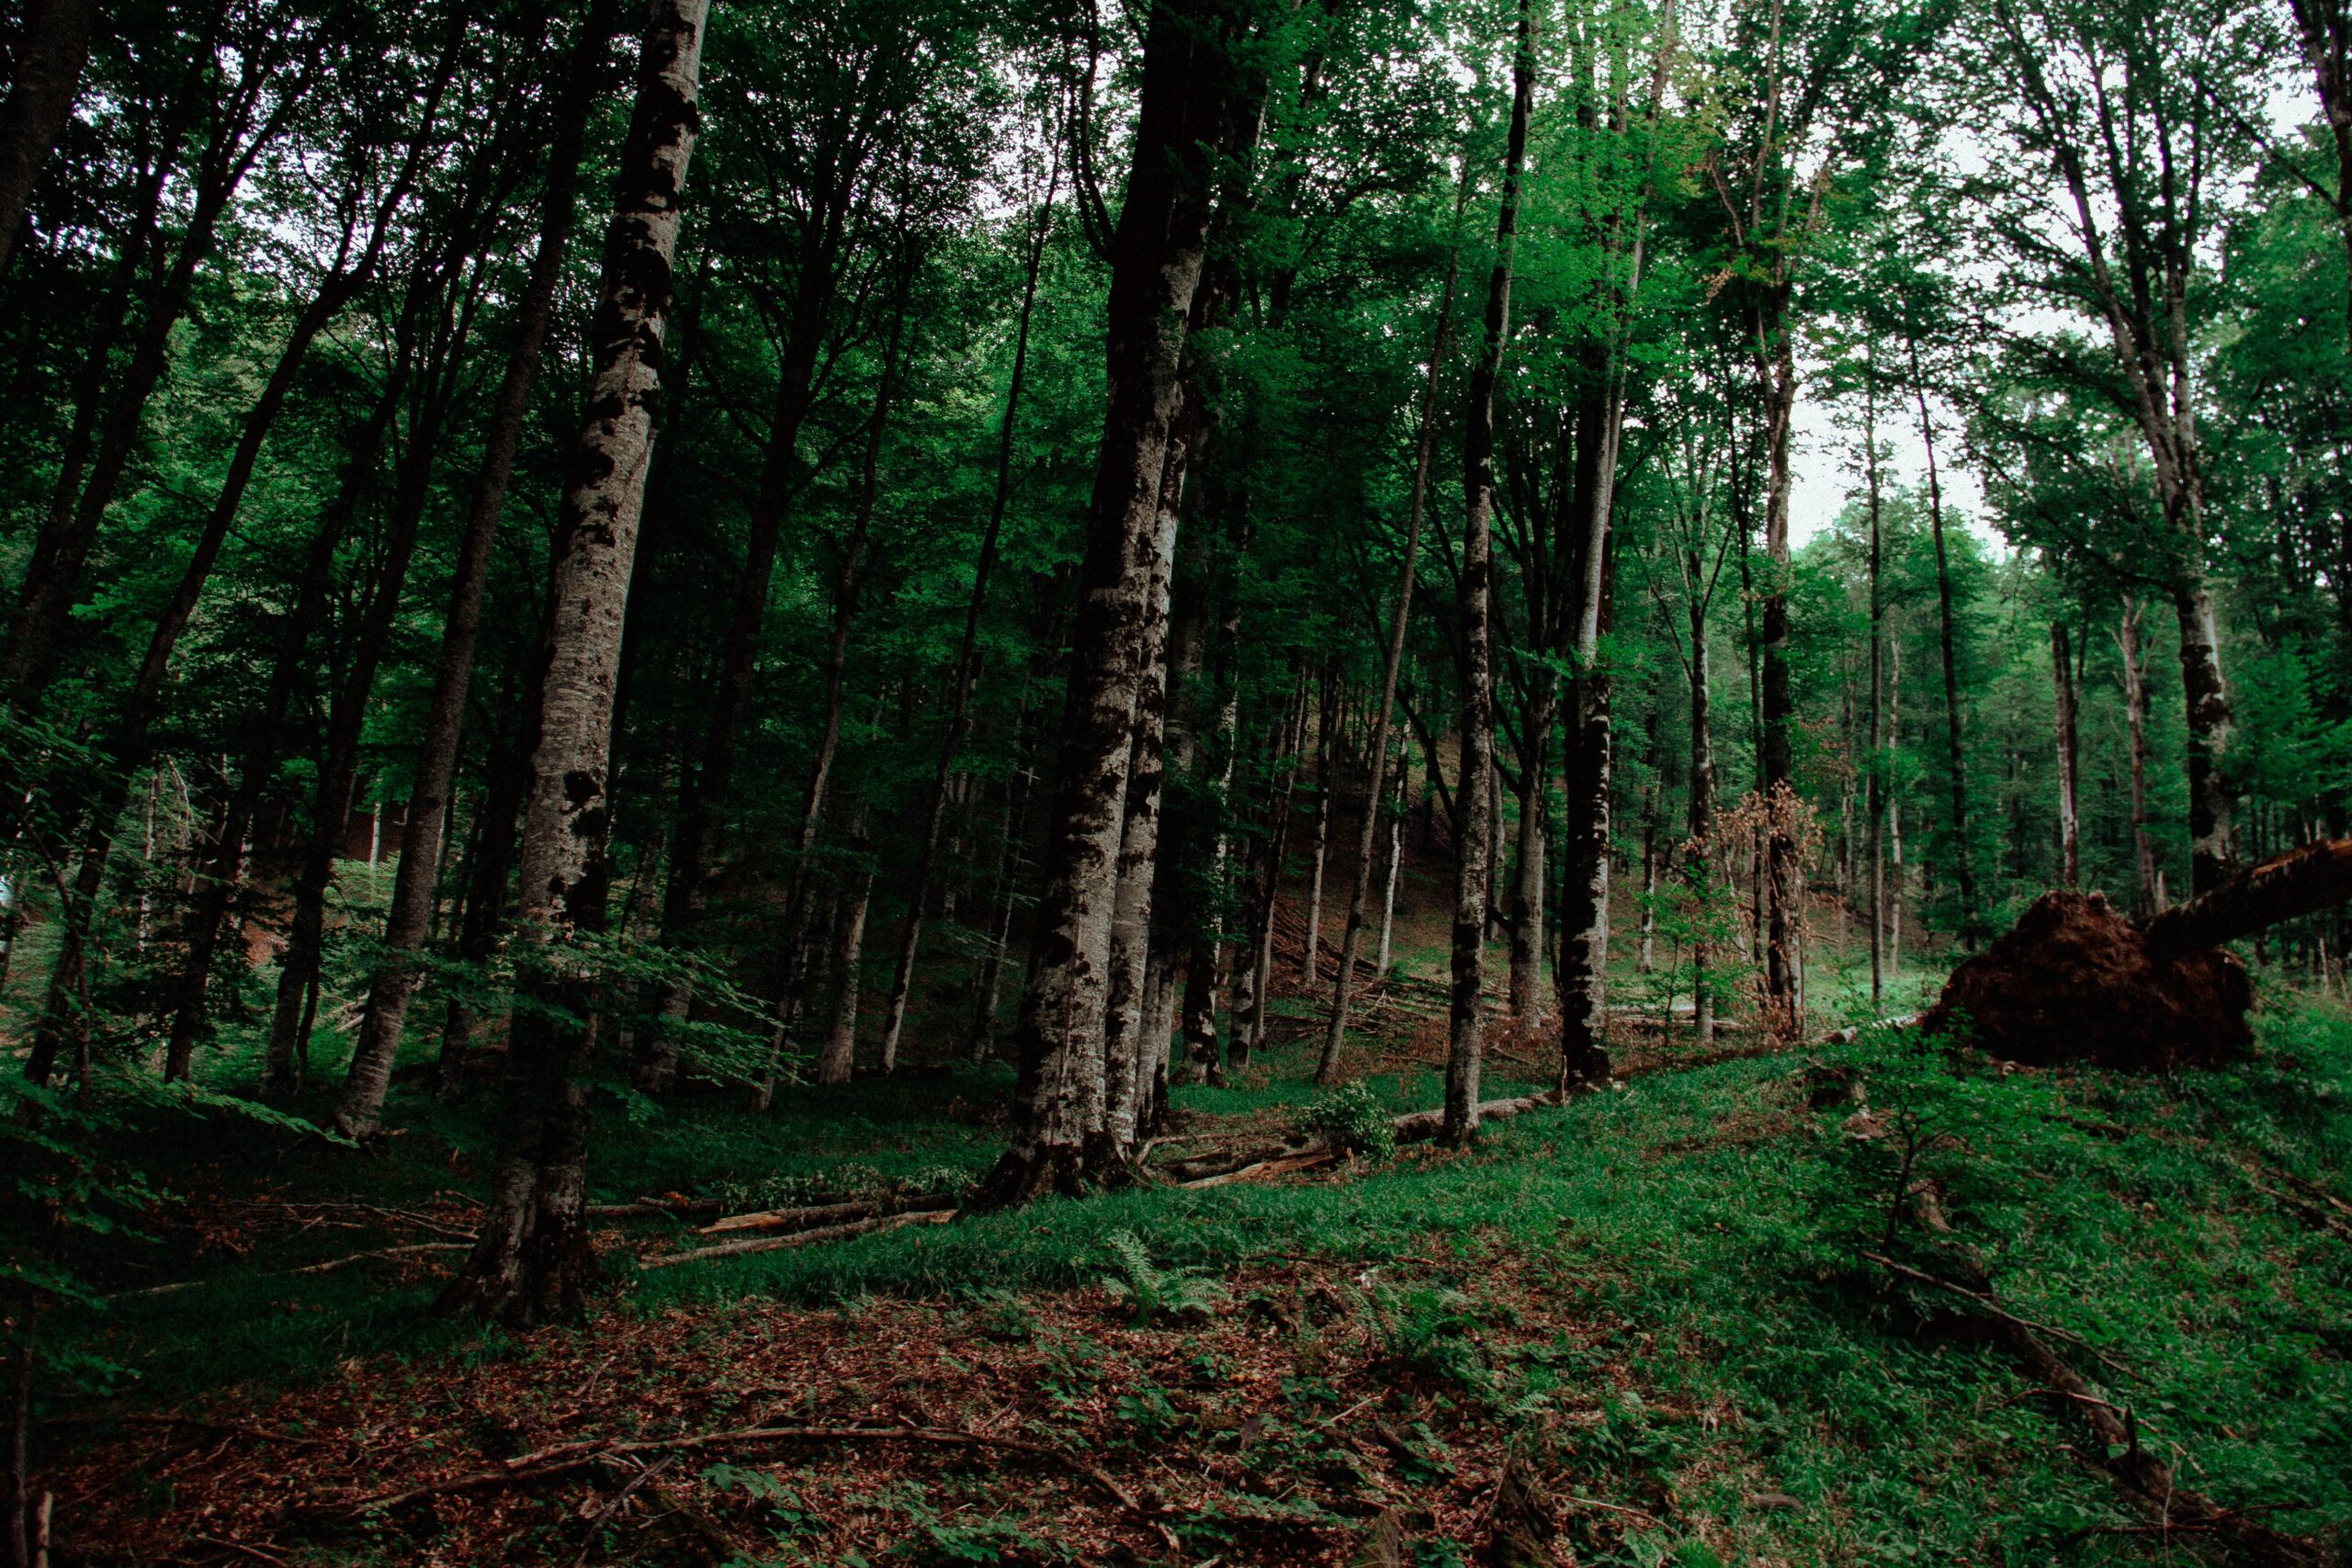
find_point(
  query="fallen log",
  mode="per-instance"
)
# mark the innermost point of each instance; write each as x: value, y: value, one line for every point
x: 2075, y: 980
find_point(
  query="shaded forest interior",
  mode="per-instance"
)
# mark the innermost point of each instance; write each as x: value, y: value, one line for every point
x: 1205, y: 781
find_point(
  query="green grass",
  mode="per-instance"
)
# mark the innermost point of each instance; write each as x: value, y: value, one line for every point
x: 1707, y: 1223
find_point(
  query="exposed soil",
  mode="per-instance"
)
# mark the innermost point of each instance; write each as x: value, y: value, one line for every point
x: 2073, y: 980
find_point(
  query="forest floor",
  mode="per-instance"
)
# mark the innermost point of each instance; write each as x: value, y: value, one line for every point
x: 1658, y: 1302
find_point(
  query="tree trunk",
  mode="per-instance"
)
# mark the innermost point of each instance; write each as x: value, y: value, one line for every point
x: 1777, y: 716
x: 1699, y: 856
x: 410, y: 920
x: 2302, y: 882
x: 837, y: 1062
x: 224, y: 869
x: 2150, y: 901
x: 1112, y: 1126
x: 1401, y: 622
x: 967, y: 654
x: 1525, y: 983
x: 51, y: 51
x: 299, y: 972
x: 1475, y: 830
x: 52, y: 581
x: 2212, y: 843
x: 534, y: 1258
x: 1311, y: 943
x: 1875, y: 775
x: 988, y: 982
x: 2061, y: 671
x: 1963, y: 857
x: 1395, y: 872
x: 2326, y: 32
x: 1192, y: 90
x: 705, y: 791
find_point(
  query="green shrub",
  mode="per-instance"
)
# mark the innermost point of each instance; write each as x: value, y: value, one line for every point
x: 1353, y: 1117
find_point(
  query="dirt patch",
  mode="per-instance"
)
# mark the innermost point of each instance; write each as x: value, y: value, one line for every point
x: 2073, y: 980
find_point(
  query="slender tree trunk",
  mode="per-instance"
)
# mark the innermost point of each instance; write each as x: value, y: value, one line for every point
x: 988, y: 981
x: 1395, y: 872
x: 223, y: 869
x: 1963, y: 857
x: 1401, y: 622
x: 1893, y: 814
x: 1698, y: 864
x: 837, y: 1062
x: 1261, y: 927
x: 967, y: 654
x: 707, y: 789
x: 2062, y: 669
x: 2151, y: 899
x: 1777, y: 885
x: 534, y: 1258
x: 1473, y: 837
x: 2326, y: 33
x: 300, y: 964
x: 1652, y: 793
x: 408, y: 924
x: 1193, y: 90
x: 1524, y: 985
x: 1311, y: 943
x: 53, y: 583
x: 1876, y: 779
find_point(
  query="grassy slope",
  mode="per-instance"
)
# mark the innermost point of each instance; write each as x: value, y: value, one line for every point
x: 1656, y: 1291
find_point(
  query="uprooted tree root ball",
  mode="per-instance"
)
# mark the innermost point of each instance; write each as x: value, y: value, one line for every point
x: 2073, y: 980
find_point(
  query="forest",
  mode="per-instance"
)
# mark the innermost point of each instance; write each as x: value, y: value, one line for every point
x: 791, y: 782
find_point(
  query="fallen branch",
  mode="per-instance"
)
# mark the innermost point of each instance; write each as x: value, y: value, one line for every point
x: 564, y: 1459
x: 1265, y: 1168
x: 329, y: 1267
x: 797, y: 1239
x: 826, y: 1214
x: 2178, y: 1508
x: 673, y: 1208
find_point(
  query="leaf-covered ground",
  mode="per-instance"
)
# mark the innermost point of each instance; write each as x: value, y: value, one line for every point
x: 1657, y: 1301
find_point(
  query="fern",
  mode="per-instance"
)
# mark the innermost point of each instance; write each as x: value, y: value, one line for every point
x: 1151, y: 1293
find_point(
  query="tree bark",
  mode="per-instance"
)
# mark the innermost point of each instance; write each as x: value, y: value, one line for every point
x: 1311, y: 941
x: 1475, y: 830
x: 1192, y: 90
x: 1112, y: 1131
x: 2302, y: 882
x: 1776, y: 370
x: 1876, y: 791
x: 51, y: 52
x: 2062, y: 669
x: 410, y: 920
x: 534, y: 1258
x: 2150, y: 901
